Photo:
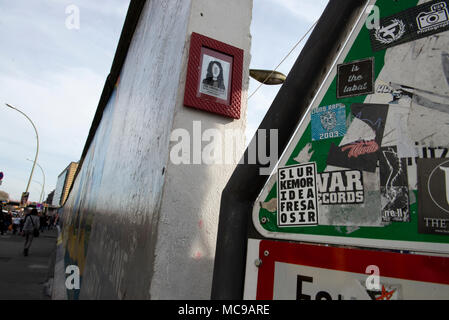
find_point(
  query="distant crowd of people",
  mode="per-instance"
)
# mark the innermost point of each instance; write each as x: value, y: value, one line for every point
x: 27, y: 222
x: 13, y: 222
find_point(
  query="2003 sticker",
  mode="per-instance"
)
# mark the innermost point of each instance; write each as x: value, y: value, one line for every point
x: 329, y: 122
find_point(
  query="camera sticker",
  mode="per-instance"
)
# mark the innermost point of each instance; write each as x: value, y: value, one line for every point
x: 413, y: 24
x: 435, y: 19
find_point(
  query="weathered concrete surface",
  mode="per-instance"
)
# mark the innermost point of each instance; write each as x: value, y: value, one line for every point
x: 191, y: 199
x: 137, y: 226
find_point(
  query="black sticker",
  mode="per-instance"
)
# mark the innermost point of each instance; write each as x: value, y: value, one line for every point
x: 340, y: 187
x: 364, y: 139
x: 393, y: 186
x: 355, y: 78
x: 433, y: 196
x: 412, y: 24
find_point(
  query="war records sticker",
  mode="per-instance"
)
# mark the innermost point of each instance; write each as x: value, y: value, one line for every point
x: 355, y: 78
x: 433, y: 196
x: 413, y: 24
x: 340, y: 187
x: 297, y: 196
x: 328, y: 122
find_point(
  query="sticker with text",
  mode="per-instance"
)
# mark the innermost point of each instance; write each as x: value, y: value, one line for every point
x: 340, y: 187
x: 415, y: 23
x: 355, y: 78
x: 328, y: 122
x: 433, y: 196
x: 297, y: 196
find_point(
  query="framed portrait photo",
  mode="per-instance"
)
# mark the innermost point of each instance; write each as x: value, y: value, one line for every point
x: 214, y: 77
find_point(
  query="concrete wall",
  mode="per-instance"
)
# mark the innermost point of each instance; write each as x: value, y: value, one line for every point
x: 191, y: 196
x: 138, y: 226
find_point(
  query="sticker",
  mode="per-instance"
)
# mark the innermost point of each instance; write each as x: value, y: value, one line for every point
x: 393, y: 186
x: 345, y: 198
x: 398, y: 95
x: 413, y: 24
x: 433, y: 196
x: 355, y: 78
x: 423, y: 152
x: 364, y: 212
x: 340, y: 187
x: 328, y: 122
x: 386, y: 292
x: 360, y: 147
x: 297, y: 196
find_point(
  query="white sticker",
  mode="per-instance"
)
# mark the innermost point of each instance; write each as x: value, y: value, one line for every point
x: 297, y: 196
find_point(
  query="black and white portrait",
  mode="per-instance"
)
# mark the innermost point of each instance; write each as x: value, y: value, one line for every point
x: 215, y: 77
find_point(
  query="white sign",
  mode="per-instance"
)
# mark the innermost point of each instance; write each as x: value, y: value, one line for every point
x: 293, y: 282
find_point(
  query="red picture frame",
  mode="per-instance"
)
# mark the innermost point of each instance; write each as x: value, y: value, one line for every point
x: 214, y: 77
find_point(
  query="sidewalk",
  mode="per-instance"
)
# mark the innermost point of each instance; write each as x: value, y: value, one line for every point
x: 24, y: 277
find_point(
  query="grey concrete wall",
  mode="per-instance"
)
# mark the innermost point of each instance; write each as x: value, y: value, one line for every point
x: 138, y: 226
x: 191, y: 197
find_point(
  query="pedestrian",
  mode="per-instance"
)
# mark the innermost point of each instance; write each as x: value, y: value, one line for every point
x: 2, y: 221
x: 15, y: 223
x: 48, y: 222
x: 51, y: 223
x: 43, y: 222
x: 9, y: 221
x: 31, y: 229
x: 22, y: 221
x: 58, y: 227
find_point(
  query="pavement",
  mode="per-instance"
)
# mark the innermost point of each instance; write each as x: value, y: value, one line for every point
x: 24, y: 278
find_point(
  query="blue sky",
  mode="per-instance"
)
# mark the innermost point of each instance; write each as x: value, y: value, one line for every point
x: 276, y: 27
x: 55, y: 75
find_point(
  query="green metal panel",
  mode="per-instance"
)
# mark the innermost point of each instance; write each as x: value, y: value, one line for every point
x: 400, y: 235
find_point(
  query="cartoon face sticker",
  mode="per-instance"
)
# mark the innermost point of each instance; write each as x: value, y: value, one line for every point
x: 328, y: 120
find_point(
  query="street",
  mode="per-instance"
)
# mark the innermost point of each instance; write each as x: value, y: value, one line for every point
x: 24, y: 277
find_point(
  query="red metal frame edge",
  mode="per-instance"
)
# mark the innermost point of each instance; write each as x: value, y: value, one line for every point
x: 395, y: 265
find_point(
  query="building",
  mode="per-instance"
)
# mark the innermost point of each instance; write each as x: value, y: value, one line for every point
x: 50, y: 197
x: 64, y: 183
